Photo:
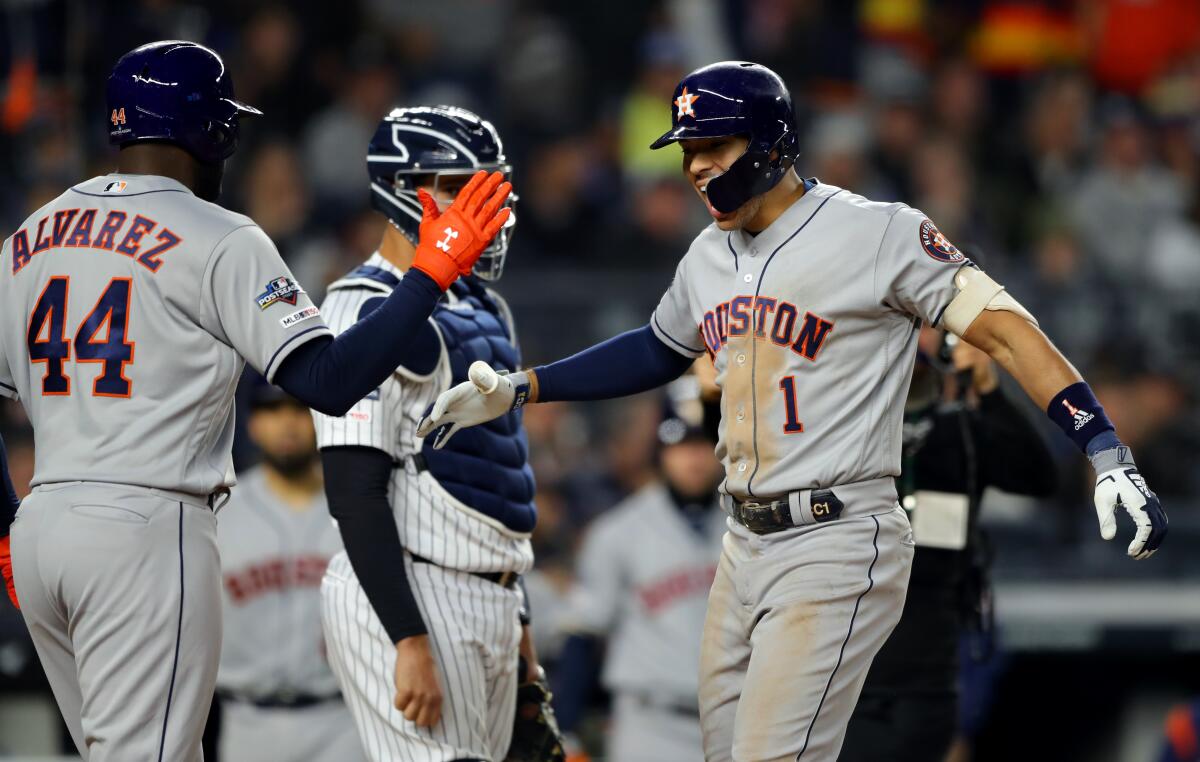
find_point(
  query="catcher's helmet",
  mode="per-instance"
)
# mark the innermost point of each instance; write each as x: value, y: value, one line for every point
x: 175, y: 92
x: 737, y: 98
x: 420, y: 146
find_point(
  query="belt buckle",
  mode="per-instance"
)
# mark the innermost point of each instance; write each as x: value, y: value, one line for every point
x: 760, y: 518
x: 507, y: 579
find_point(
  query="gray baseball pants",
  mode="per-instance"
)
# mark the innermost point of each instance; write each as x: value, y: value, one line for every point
x: 120, y: 589
x: 794, y: 620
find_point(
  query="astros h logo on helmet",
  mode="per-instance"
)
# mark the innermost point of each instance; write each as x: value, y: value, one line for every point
x: 684, y: 104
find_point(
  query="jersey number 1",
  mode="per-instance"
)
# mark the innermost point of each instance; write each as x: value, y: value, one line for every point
x: 792, y: 424
x: 100, y: 338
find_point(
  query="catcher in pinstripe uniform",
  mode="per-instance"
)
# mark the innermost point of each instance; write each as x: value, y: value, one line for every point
x: 423, y: 612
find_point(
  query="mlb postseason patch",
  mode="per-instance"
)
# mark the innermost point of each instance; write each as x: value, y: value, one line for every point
x: 937, y: 245
x: 299, y: 316
x: 279, y: 290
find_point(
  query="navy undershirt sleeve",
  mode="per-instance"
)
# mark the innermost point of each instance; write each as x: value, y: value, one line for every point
x: 423, y: 350
x: 574, y: 681
x: 8, y: 495
x: 330, y: 375
x: 356, y: 485
x: 636, y: 361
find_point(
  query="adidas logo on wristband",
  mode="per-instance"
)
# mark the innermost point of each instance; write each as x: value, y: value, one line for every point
x: 1081, y: 417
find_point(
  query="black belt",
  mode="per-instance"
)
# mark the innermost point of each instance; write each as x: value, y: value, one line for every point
x: 681, y: 708
x: 418, y: 461
x: 283, y: 700
x: 506, y: 579
x: 776, y: 515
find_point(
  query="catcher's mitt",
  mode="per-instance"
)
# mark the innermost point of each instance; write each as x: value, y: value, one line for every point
x: 536, y: 737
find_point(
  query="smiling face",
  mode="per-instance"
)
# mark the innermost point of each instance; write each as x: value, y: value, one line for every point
x: 706, y: 158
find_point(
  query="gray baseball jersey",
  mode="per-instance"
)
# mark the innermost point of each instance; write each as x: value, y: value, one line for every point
x: 273, y: 556
x: 130, y: 306
x: 644, y: 575
x: 272, y: 559
x: 812, y: 326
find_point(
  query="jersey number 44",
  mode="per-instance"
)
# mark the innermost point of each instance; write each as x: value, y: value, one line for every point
x: 100, y: 338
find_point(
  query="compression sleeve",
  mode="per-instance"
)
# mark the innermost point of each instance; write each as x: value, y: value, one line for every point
x: 573, y: 683
x: 356, y: 484
x: 331, y: 374
x: 636, y: 361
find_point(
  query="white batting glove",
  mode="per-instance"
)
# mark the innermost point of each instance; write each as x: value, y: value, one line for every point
x: 1119, y: 483
x: 486, y: 396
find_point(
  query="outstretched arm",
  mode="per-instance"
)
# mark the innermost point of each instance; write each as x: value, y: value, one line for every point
x: 1054, y: 384
x: 1024, y: 351
x: 635, y: 361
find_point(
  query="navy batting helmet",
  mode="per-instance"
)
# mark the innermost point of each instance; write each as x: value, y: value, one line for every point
x: 175, y: 92
x: 426, y: 146
x: 737, y: 98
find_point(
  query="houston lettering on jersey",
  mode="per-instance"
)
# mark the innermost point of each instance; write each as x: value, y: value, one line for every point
x: 274, y: 575
x: 742, y: 314
x: 78, y: 228
x: 685, y: 583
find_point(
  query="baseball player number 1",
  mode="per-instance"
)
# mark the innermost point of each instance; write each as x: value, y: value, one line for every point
x: 100, y: 338
x: 792, y: 425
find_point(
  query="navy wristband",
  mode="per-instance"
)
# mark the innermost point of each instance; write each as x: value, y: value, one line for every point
x: 1079, y: 414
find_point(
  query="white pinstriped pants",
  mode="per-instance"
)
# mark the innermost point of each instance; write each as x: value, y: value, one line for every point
x: 474, y: 632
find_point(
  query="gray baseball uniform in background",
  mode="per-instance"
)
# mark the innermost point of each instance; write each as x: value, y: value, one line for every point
x: 644, y: 573
x: 129, y: 305
x: 280, y: 701
x: 812, y: 326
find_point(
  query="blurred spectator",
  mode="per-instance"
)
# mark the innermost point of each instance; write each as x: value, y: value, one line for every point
x: 1126, y: 196
x: 268, y: 71
x: 943, y: 188
x: 896, y: 88
x: 645, y: 114
x: 1040, y: 160
x: 1062, y: 288
x: 660, y: 221
x: 836, y: 153
x: 542, y: 91
x: 335, y: 140
x: 959, y: 101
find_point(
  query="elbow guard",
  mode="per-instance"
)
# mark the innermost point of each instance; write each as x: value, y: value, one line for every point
x: 978, y: 292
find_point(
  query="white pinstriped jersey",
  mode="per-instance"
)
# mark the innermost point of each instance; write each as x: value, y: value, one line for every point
x: 432, y: 523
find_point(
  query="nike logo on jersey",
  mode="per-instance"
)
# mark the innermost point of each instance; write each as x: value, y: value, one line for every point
x: 79, y: 229
x: 743, y: 314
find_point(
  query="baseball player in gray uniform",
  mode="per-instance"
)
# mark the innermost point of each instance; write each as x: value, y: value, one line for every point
x: 279, y: 700
x: 808, y: 298
x: 643, y: 577
x: 131, y: 303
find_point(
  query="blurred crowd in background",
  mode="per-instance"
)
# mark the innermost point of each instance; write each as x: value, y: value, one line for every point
x: 1056, y: 142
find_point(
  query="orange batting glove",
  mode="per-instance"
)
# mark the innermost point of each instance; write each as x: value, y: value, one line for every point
x: 6, y: 570
x: 450, y: 242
